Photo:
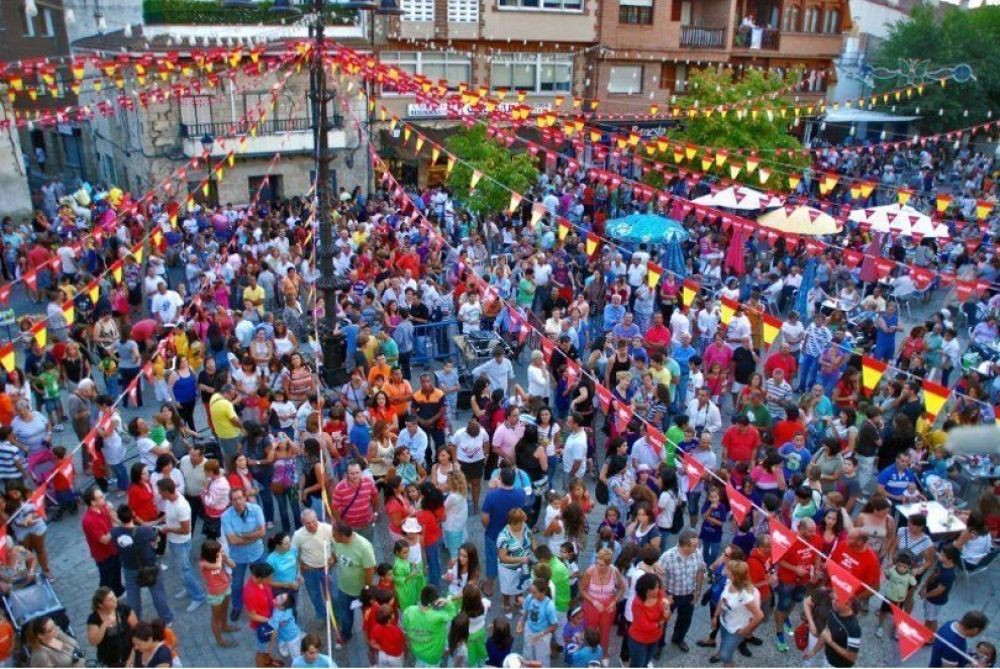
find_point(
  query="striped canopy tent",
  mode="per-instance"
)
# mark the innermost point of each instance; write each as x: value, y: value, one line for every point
x: 801, y: 221
x: 740, y: 198
x: 899, y: 219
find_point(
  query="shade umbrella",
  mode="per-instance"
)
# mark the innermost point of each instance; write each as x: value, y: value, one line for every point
x: 900, y: 220
x: 869, y: 271
x: 801, y: 221
x: 739, y: 197
x: 736, y: 254
x: 645, y: 228
x: 808, y: 279
x: 673, y: 258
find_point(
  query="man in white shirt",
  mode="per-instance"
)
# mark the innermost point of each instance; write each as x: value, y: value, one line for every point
x: 703, y: 415
x: 498, y: 370
x: 738, y: 328
x: 471, y: 448
x: 67, y: 257
x: 470, y: 313
x: 793, y: 333
x: 177, y: 528
x: 679, y: 323
x: 574, y: 450
x: 166, y: 304
x: 314, y: 544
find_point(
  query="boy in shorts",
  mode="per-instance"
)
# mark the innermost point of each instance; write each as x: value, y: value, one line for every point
x: 936, y: 589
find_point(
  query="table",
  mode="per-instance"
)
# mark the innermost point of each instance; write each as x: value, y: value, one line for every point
x: 939, y: 519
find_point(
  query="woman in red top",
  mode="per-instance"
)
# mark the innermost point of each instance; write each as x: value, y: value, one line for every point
x: 140, y: 495
x: 430, y: 515
x: 650, y: 613
x: 397, y: 506
x: 240, y: 479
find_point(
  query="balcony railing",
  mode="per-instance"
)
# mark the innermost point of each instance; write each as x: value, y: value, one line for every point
x: 268, y: 127
x: 756, y: 38
x: 695, y: 37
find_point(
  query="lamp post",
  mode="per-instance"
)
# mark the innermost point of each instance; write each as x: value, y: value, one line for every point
x: 207, y: 142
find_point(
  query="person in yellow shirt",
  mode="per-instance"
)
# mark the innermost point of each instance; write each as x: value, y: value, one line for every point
x: 253, y: 299
x: 226, y: 424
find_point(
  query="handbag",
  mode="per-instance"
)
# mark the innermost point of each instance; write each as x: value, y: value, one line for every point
x: 148, y: 574
x: 802, y: 636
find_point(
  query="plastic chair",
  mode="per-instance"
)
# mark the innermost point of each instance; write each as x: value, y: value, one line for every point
x: 982, y: 568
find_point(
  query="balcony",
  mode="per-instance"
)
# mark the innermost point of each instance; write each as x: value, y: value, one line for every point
x: 270, y: 137
x: 694, y: 37
x: 756, y: 39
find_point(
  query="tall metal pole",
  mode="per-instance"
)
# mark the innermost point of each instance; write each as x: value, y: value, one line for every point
x: 326, y: 282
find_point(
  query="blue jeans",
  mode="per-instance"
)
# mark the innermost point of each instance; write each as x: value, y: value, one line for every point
x: 239, y: 576
x: 491, y: 556
x: 640, y: 653
x: 434, y: 564
x: 133, y: 596
x: 265, y: 497
x: 229, y: 447
x: 288, y: 510
x: 728, y: 642
x: 682, y: 388
x: 318, y: 588
x: 808, y: 371
x: 710, y: 551
x: 111, y: 385
x: 344, y: 614
x: 121, y: 476
x: 181, y: 556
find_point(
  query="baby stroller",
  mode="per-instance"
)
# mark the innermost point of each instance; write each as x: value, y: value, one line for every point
x: 28, y: 603
x: 41, y: 465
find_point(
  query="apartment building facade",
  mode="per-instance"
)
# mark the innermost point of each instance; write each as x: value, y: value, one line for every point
x: 140, y: 146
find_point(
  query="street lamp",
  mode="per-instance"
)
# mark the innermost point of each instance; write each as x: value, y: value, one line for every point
x: 207, y: 142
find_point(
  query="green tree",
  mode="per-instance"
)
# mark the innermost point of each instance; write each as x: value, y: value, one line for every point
x: 514, y: 171
x: 946, y: 36
x: 769, y: 93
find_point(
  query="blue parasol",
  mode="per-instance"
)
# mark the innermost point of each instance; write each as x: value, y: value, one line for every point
x: 673, y: 258
x: 808, y: 279
x: 645, y: 228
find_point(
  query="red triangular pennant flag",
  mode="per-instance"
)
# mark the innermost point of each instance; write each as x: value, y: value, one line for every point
x: 845, y: 585
x: 623, y: 415
x: 695, y: 470
x: 912, y: 635
x: 547, y: 348
x: 5, y: 294
x: 738, y: 503
x: 963, y: 289
x: 37, y: 499
x: 604, y: 397
x: 655, y: 439
x: 782, y: 539
x: 852, y: 258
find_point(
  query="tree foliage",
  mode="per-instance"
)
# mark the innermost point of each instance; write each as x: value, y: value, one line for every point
x: 947, y: 36
x: 763, y: 131
x: 513, y: 170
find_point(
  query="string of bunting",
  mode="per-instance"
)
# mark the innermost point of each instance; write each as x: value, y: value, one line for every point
x: 912, y: 634
x: 30, y: 277
x: 479, y: 100
x: 679, y: 208
x: 935, y: 395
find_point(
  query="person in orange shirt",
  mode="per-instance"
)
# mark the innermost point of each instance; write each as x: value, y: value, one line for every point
x: 379, y: 367
x: 6, y: 409
x: 399, y: 391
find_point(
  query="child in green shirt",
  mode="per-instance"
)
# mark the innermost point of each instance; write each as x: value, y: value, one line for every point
x: 49, y: 379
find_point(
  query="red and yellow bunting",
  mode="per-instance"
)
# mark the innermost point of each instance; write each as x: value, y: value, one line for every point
x: 935, y: 396
x: 653, y: 274
x: 871, y: 372
x: 772, y: 328
x: 689, y: 291
x: 7, y: 357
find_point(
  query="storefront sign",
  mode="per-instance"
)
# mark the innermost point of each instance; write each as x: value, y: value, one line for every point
x: 444, y: 109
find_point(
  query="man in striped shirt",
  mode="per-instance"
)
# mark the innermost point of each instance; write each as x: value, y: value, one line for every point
x: 778, y: 391
x: 817, y: 339
x: 354, y: 501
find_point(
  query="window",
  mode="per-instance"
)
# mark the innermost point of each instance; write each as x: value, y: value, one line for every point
x: 673, y: 77
x: 534, y: 73
x: 463, y: 11
x: 28, y: 23
x: 196, y: 113
x: 48, y: 29
x: 418, y: 10
x: 72, y: 149
x: 831, y: 21
x: 792, y: 19
x: 453, y: 67
x: 625, y: 79
x: 635, y: 12
x: 549, y: 5
x: 812, y: 20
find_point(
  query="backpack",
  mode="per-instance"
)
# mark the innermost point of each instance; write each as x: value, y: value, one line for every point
x: 601, y: 492
x: 680, y: 510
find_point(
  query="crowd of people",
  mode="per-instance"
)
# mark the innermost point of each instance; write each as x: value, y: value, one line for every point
x: 306, y: 510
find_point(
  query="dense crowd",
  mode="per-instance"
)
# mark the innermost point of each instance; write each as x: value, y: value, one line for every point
x: 302, y: 510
